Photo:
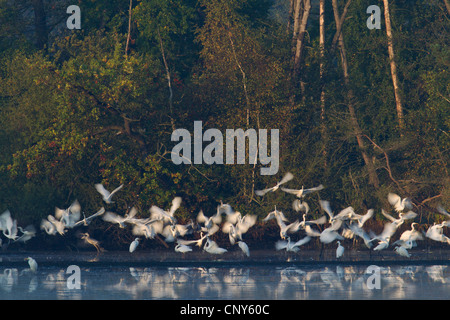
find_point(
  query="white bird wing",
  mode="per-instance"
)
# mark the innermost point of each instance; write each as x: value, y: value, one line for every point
x: 291, y: 191
x: 176, y: 203
x: 310, y: 190
x: 321, y: 220
x: 394, y: 199
x: 384, y: 213
x: 263, y: 192
x: 302, y: 241
x: 367, y: 216
x: 101, y: 189
x: 115, y: 190
x: 59, y: 213
x: 201, y: 218
x: 409, y: 215
x: 112, y: 217
x: 244, y: 248
x: 287, y: 177
x: 75, y: 208
x: 441, y: 210
x: 325, y: 205
x: 281, y: 244
x: 311, y: 232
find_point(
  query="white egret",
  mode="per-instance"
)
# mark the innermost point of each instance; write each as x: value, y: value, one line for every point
x: 182, y: 248
x: 167, y: 216
x: 212, y: 247
x: 27, y: 233
x: 276, y: 214
x: 134, y: 245
x: 209, y: 223
x: 87, y: 238
x: 330, y: 234
x: 198, y: 242
x: 105, y: 193
x: 402, y: 251
x: 88, y: 220
x: 299, y: 205
x: 8, y: 225
x: 291, y: 246
x: 115, y: 218
x: 287, y: 177
x: 301, y: 193
x: 32, y: 263
x: 244, y: 248
x: 398, y: 203
x: 340, y: 250
x: 70, y: 216
x: 435, y: 232
x: 411, y: 236
x: 361, y: 219
x: 48, y: 227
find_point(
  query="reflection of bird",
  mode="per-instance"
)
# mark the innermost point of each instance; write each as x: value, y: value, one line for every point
x: 302, y: 192
x: 288, y: 177
x: 32, y: 263
x: 105, y: 193
x: 134, y: 245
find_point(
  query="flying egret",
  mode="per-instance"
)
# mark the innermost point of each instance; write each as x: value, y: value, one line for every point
x: 27, y: 233
x: 301, y: 193
x: 401, y: 217
x: 134, y: 245
x: 299, y: 205
x: 398, y: 203
x: 287, y: 177
x: 32, y: 263
x: 291, y: 246
x: 88, y: 220
x: 105, y: 193
x: 435, y: 232
x: 8, y: 225
x: 340, y: 250
x: 167, y: 216
x: 70, y: 216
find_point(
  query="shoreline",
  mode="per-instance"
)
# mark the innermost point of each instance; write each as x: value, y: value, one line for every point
x: 161, y: 258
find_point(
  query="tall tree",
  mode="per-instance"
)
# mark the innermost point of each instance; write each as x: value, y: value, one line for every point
x: 358, y: 133
x: 395, y: 81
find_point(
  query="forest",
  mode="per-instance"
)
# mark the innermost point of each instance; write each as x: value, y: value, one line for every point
x: 362, y: 111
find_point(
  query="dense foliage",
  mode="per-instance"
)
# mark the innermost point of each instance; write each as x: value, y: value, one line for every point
x: 82, y: 107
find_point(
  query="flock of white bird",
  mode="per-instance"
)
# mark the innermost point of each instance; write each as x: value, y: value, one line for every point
x: 346, y: 224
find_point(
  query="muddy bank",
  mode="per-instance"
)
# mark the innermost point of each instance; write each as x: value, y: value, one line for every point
x: 231, y: 258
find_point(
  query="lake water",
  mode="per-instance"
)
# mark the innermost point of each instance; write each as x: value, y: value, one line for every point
x: 228, y: 283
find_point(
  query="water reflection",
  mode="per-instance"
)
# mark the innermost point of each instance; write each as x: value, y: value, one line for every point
x: 256, y: 282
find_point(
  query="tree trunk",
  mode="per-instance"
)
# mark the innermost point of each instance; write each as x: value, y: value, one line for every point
x: 447, y: 5
x: 40, y: 24
x: 322, y: 85
x: 395, y: 82
x: 127, y: 47
x: 300, y: 35
x: 373, y: 178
